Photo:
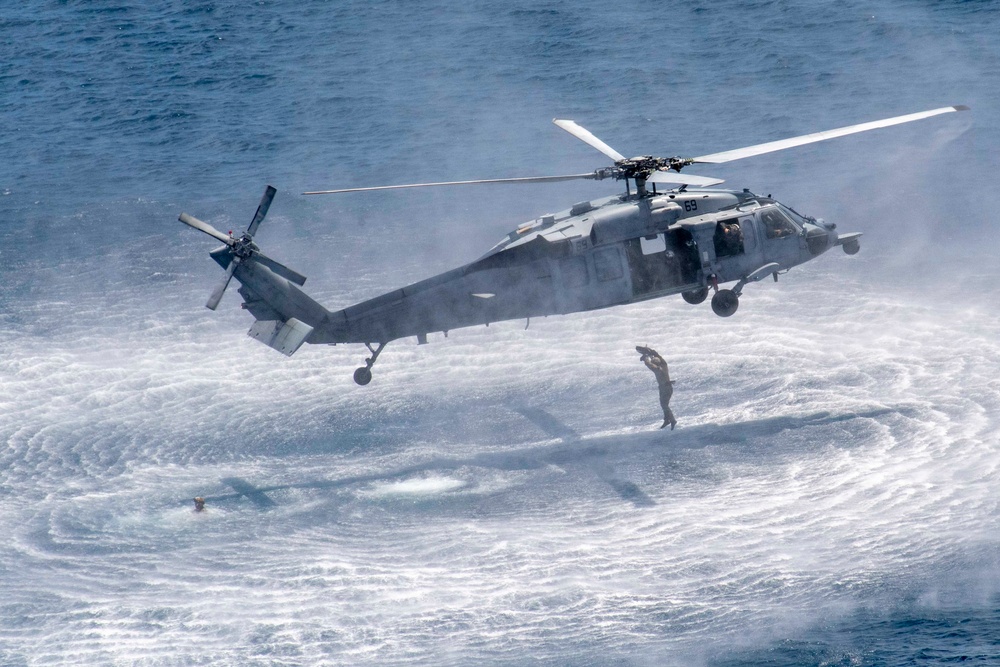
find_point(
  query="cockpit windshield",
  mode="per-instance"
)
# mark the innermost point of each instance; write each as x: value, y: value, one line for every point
x: 793, y: 214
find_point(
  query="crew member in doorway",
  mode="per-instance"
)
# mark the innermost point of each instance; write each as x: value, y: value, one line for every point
x: 658, y: 365
x: 199, y: 504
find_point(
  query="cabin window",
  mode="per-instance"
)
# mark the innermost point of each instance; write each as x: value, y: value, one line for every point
x: 776, y: 225
x: 608, y: 264
x: 728, y: 238
x: 574, y: 271
x: 652, y: 244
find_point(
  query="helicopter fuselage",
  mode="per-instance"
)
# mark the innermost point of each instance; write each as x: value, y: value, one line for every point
x: 609, y: 252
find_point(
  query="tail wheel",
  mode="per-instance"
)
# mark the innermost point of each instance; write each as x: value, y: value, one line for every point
x: 363, y: 375
x: 725, y: 302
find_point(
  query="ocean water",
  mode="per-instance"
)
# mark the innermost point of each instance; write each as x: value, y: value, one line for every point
x: 502, y: 496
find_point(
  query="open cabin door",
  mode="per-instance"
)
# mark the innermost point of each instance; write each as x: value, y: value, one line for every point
x: 662, y: 262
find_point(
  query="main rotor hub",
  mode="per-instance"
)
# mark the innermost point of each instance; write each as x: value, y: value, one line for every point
x: 642, y: 166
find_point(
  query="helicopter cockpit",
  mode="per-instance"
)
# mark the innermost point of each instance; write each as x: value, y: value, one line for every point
x: 776, y: 224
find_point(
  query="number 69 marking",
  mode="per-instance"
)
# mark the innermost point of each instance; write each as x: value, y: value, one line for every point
x: 690, y: 205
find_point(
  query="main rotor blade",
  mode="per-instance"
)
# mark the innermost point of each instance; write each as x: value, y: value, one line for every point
x: 220, y: 289
x: 265, y: 203
x: 682, y: 179
x: 782, y: 144
x: 205, y: 227
x: 585, y: 136
x: 530, y: 179
x: 280, y: 269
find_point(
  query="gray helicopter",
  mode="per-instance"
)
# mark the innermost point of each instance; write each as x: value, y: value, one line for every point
x: 639, y: 245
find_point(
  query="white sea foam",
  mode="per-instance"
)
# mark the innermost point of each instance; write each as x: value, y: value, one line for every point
x: 422, y: 486
x: 823, y: 462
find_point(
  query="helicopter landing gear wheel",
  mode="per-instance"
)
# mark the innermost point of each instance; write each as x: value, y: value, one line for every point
x: 852, y: 247
x: 725, y: 302
x: 695, y: 296
x: 363, y: 375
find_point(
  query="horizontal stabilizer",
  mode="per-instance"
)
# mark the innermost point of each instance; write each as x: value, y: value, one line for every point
x: 285, y: 337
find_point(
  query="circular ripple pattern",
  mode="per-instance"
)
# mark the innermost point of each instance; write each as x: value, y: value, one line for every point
x: 835, y: 462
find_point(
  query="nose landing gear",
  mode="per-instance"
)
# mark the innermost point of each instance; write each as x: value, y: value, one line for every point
x: 363, y: 375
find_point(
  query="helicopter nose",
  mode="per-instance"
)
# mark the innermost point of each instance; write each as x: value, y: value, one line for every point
x: 820, y: 237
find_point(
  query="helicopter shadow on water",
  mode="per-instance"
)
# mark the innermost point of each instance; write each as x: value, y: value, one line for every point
x: 568, y: 449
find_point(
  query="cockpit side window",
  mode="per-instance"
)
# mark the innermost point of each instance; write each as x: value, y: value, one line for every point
x: 776, y: 225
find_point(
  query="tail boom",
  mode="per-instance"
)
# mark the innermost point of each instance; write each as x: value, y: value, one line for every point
x: 285, y: 315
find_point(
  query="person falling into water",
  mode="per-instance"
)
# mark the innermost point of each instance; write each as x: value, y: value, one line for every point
x: 658, y: 365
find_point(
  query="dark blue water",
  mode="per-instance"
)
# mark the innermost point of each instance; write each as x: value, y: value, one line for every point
x: 117, y: 116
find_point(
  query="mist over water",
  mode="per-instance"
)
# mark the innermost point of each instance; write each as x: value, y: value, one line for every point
x: 499, y: 496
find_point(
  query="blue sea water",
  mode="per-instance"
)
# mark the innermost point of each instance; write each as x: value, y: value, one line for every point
x: 499, y: 496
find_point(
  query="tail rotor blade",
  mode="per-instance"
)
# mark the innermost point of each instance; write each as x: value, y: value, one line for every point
x: 280, y: 269
x: 201, y: 226
x: 213, y: 301
x: 265, y: 203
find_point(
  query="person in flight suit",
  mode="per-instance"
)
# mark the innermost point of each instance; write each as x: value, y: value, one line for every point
x: 658, y: 365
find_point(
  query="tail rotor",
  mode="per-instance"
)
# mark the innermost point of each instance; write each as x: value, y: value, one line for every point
x: 242, y: 249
